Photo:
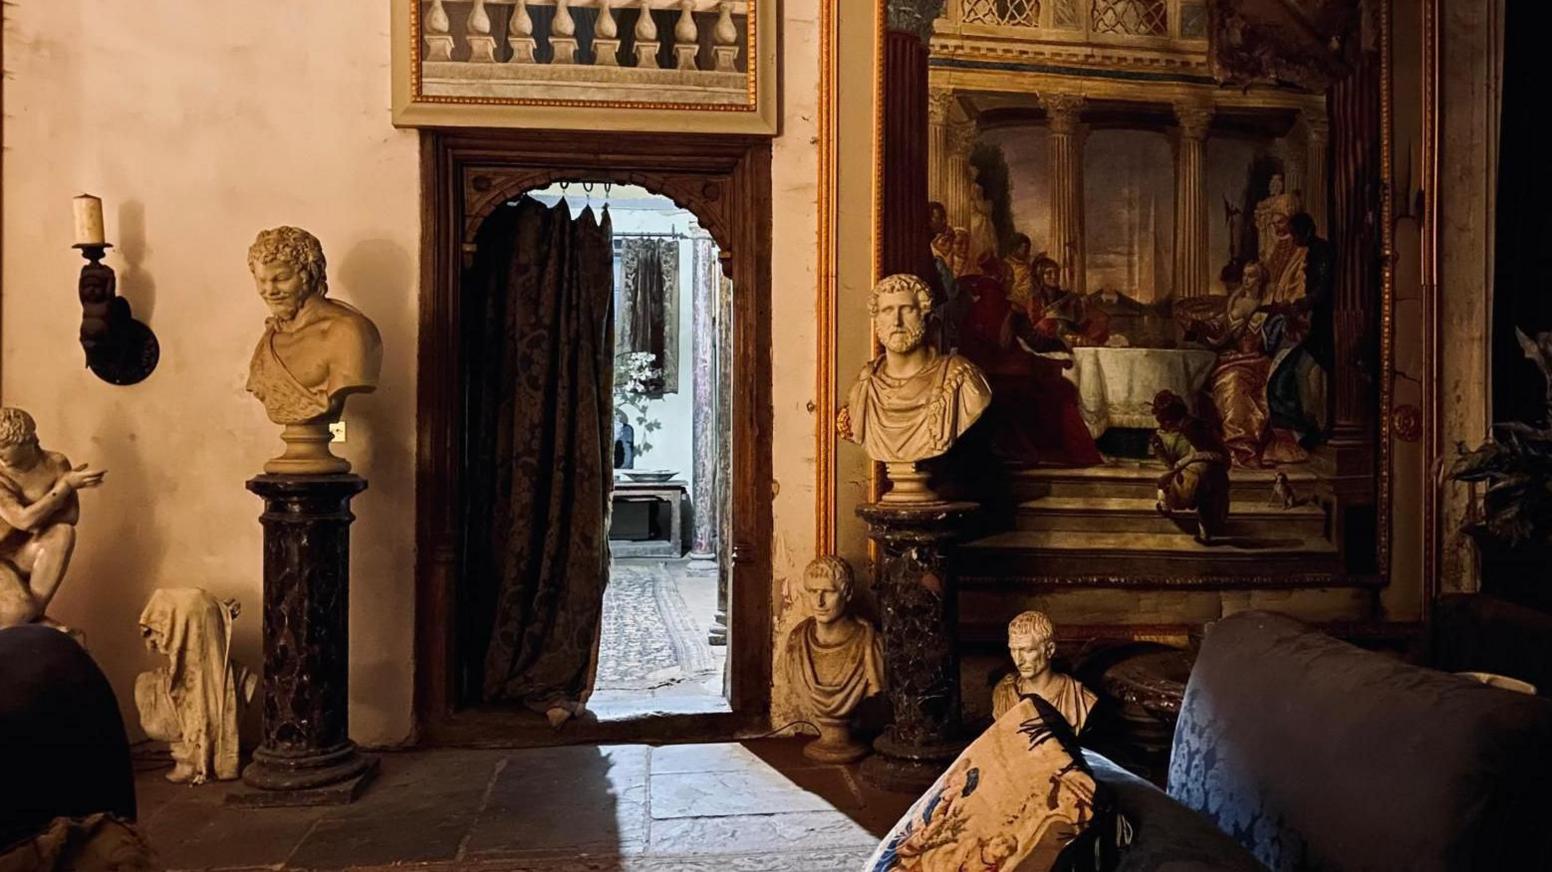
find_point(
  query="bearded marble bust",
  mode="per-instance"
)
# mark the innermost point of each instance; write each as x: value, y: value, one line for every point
x: 314, y: 353
x: 1032, y: 644
x: 912, y: 402
x: 833, y: 660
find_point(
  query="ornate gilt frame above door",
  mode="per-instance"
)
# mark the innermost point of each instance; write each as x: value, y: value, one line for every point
x: 695, y: 66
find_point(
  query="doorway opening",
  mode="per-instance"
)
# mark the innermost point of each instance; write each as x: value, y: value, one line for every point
x: 590, y: 385
x: 470, y: 179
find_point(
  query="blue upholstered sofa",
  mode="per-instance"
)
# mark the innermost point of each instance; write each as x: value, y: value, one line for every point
x: 1297, y: 751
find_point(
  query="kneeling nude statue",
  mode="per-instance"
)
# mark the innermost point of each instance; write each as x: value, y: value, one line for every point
x: 38, y: 513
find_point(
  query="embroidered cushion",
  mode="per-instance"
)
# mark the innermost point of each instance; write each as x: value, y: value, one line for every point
x: 1019, y: 798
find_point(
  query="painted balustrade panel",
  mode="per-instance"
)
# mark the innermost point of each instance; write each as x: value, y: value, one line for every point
x: 1150, y: 35
x: 1106, y: 22
x: 619, y: 52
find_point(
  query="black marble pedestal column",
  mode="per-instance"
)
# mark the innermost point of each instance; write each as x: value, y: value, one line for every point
x: 306, y: 756
x: 916, y: 594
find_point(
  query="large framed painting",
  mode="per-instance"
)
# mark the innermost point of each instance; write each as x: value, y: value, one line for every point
x: 1169, y: 260
x: 646, y: 65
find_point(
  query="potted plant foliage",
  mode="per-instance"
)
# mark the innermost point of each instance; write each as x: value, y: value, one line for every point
x: 635, y: 373
x: 1512, y: 522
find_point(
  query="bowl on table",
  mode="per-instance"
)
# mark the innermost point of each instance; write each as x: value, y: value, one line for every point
x: 647, y: 475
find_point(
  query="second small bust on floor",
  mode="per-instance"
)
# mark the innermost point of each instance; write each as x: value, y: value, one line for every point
x: 833, y: 660
x: 1032, y: 644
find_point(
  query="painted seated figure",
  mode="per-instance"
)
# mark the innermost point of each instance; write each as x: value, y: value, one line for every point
x: 38, y: 513
x: 1247, y: 334
x: 1021, y: 278
x: 1060, y: 314
x: 1032, y: 644
x: 1034, y: 417
x: 1197, y: 478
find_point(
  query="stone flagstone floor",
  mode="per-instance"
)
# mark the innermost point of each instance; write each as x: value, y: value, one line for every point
x: 756, y: 805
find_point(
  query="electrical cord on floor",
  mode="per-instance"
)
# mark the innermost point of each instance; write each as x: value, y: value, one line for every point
x: 776, y: 733
x: 773, y: 734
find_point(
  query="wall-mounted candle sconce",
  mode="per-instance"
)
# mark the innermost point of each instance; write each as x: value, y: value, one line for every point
x: 119, y: 349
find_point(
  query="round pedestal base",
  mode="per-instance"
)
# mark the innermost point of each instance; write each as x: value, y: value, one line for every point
x: 835, y: 744
x: 271, y: 771
x: 307, y: 452
x: 901, y: 768
x: 908, y: 486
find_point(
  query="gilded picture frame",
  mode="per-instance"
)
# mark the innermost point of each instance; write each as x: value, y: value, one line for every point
x: 493, y: 64
x: 955, y: 66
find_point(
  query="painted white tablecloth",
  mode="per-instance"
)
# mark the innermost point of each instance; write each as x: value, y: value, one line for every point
x: 1116, y: 386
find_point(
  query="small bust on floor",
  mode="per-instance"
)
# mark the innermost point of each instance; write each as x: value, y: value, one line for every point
x: 833, y: 660
x: 1032, y: 644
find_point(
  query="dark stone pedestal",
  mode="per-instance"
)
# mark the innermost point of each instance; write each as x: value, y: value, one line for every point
x: 306, y: 756
x: 1145, y: 692
x: 916, y: 592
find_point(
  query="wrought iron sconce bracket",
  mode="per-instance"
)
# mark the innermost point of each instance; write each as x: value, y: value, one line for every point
x: 119, y: 349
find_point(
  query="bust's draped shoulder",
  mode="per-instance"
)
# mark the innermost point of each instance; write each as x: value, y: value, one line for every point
x: 919, y: 416
x: 833, y: 680
x: 967, y: 378
x: 346, y: 340
x: 1005, y: 695
x: 286, y: 400
x: 1072, y: 699
x: 359, y: 345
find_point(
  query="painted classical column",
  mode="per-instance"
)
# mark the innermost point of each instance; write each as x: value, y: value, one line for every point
x: 961, y: 141
x: 1066, y: 242
x: 1355, y: 121
x: 708, y: 275
x: 904, y: 245
x: 940, y: 105
x: 1317, y: 138
x: 1192, y: 275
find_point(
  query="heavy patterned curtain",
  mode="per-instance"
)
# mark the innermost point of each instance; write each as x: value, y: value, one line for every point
x: 539, y: 345
x: 650, y: 299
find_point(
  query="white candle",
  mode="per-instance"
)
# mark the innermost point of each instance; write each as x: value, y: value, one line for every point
x: 88, y: 221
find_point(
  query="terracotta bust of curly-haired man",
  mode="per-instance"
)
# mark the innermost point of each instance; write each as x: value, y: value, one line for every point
x: 314, y: 353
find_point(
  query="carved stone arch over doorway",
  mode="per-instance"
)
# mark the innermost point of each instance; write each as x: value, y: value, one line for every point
x: 704, y: 198
x: 726, y: 182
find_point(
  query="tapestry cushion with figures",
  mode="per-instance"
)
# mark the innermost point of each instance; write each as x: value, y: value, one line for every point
x: 1021, y: 798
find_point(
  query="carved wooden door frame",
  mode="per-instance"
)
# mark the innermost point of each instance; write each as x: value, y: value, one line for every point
x: 725, y: 181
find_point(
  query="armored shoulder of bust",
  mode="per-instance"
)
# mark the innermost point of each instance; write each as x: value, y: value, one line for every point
x: 959, y: 368
x: 843, y: 423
